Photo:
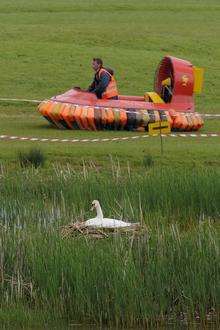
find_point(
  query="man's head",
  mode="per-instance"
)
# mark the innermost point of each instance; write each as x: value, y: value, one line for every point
x: 97, y: 64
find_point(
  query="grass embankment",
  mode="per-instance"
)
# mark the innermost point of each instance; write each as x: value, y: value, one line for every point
x: 46, y: 48
x: 171, y: 273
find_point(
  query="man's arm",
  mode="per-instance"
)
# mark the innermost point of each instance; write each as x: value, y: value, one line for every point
x: 91, y: 87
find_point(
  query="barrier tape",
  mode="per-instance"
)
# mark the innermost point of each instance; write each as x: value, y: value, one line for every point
x: 20, y: 100
x: 115, y: 139
x: 210, y: 115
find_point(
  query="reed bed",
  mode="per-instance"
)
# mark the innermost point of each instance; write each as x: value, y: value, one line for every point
x: 168, y: 274
x: 63, y: 195
x: 165, y: 276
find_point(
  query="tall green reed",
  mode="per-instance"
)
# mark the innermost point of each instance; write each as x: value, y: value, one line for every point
x: 158, y: 195
x: 118, y: 281
x: 172, y: 270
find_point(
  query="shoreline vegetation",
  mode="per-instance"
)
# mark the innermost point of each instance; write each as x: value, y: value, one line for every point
x: 168, y: 274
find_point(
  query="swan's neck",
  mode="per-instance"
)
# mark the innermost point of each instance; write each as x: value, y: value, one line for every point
x: 99, y: 212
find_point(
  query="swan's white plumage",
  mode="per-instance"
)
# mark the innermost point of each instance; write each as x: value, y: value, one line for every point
x: 107, y: 223
x: 102, y: 222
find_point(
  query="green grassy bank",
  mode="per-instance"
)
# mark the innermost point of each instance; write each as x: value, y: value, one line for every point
x: 46, y: 46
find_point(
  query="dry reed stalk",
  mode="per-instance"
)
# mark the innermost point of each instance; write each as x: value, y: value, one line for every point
x: 18, y: 284
x: 79, y: 228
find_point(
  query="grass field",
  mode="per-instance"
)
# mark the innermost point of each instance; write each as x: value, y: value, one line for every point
x: 46, y: 47
x: 172, y: 274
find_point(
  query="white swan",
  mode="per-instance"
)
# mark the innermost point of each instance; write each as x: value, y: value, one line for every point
x: 99, y: 221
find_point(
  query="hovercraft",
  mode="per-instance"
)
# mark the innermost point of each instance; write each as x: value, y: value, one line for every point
x: 172, y: 100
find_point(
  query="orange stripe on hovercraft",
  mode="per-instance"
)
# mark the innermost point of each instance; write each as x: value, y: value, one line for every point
x: 189, y: 119
x: 200, y: 120
x: 44, y: 109
x: 194, y: 122
x: 56, y: 113
x: 98, y: 118
x: 65, y: 114
x: 104, y: 118
x: 71, y: 117
x: 62, y: 120
x: 123, y: 118
x: 197, y: 121
x: 181, y: 122
x: 84, y: 118
x: 90, y: 117
x: 109, y: 118
x: 116, y: 113
x: 77, y: 115
x: 52, y: 113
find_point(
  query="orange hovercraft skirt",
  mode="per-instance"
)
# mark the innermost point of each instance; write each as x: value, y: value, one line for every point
x: 66, y: 115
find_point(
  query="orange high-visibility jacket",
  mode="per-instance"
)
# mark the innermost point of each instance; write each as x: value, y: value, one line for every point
x: 111, y: 89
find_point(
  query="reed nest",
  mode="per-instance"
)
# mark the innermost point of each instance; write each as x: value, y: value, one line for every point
x: 78, y: 229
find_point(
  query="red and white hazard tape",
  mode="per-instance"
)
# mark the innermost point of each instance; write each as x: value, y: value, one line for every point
x: 211, y: 115
x: 4, y: 99
x: 115, y: 139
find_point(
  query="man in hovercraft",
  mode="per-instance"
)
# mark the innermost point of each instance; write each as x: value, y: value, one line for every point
x: 104, y: 84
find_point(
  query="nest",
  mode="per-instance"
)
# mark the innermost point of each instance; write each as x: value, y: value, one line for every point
x: 78, y: 229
